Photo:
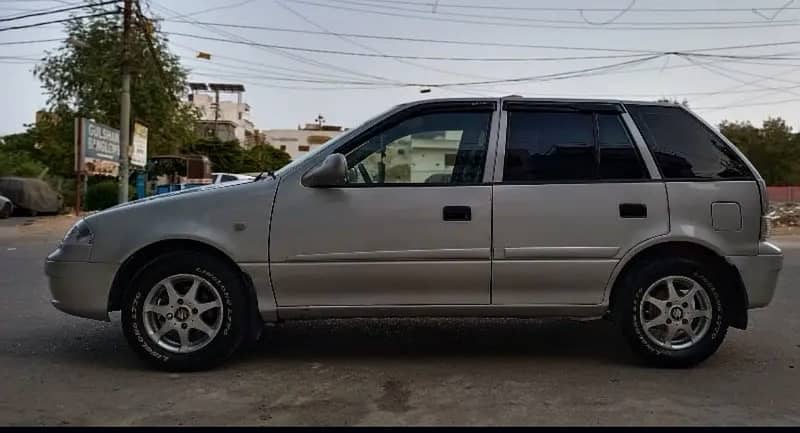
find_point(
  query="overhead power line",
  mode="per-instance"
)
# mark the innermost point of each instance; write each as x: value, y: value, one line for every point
x: 394, y: 56
x: 746, y: 104
x: 292, y: 56
x: 775, y: 57
x: 410, y: 39
x: 480, y: 43
x: 374, y: 50
x: 33, y: 41
x: 56, y: 11
x: 44, y: 23
x: 509, y: 21
x: 606, y: 23
x: 446, y: 5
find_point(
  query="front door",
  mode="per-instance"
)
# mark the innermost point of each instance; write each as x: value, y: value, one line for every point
x: 572, y: 196
x: 412, y: 225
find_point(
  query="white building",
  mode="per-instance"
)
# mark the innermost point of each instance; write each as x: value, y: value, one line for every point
x: 418, y: 158
x: 299, y: 142
x: 225, y: 119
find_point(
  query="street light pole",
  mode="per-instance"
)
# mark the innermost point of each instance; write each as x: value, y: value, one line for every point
x: 125, y: 106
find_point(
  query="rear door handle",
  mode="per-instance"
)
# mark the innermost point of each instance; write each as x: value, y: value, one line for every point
x: 632, y: 210
x: 457, y: 213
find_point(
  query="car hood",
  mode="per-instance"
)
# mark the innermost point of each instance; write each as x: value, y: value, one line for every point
x: 196, y: 189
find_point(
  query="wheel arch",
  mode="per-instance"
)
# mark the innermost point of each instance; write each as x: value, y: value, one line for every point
x: 736, y: 294
x: 138, y: 260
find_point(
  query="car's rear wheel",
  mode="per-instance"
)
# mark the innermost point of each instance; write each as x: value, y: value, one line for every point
x: 671, y: 311
x: 185, y: 311
x: 6, y: 209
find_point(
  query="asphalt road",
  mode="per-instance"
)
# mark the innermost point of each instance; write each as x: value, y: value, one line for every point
x: 57, y: 370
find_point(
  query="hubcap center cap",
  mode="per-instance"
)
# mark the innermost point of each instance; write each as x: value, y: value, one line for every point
x: 182, y: 314
x: 676, y: 313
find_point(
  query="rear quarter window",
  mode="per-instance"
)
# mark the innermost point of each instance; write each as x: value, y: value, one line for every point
x: 683, y: 147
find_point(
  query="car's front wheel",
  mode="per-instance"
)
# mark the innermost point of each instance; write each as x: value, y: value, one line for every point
x: 671, y: 311
x: 185, y: 311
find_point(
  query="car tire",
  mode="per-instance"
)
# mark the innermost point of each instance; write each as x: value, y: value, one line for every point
x: 173, y: 328
x: 6, y: 209
x: 671, y: 311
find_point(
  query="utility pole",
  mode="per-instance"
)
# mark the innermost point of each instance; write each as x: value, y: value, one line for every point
x: 125, y: 105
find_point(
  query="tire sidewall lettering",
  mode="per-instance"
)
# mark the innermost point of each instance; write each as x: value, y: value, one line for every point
x: 717, y: 315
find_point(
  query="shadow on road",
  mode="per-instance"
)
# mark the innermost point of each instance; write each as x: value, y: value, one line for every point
x: 442, y: 338
x: 103, y: 345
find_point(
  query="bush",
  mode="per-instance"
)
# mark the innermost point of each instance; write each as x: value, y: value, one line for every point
x: 101, y: 195
x: 19, y: 164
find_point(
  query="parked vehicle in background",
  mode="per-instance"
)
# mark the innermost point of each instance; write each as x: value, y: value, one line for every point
x: 229, y: 177
x: 512, y: 207
x: 6, y: 207
x: 31, y: 195
x: 169, y: 173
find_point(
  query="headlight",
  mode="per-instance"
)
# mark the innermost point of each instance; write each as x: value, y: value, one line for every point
x: 79, y: 234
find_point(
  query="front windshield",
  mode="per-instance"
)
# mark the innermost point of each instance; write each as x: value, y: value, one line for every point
x: 332, y: 142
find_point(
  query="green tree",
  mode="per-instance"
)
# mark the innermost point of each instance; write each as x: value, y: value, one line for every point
x: 263, y: 157
x: 225, y: 156
x: 17, y: 163
x: 773, y: 148
x: 82, y: 78
x: 229, y: 157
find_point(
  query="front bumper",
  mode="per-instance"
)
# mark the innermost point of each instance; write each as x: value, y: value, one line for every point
x: 80, y: 288
x: 760, y: 273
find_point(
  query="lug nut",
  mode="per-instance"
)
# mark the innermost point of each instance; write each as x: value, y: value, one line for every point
x: 194, y: 310
x: 180, y: 301
x: 669, y: 304
x: 685, y: 305
x: 184, y: 326
x: 669, y: 321
x: 169, y: 316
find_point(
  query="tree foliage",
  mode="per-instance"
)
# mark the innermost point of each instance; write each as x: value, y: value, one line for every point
x: 83, y: 78
x: 774, y: 149
x: 229, y: 157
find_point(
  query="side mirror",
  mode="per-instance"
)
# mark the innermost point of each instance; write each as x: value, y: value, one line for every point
x: 331, y: 172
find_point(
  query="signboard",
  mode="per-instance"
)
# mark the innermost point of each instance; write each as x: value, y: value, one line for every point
x: 139, y: 151
x: 98, y: 146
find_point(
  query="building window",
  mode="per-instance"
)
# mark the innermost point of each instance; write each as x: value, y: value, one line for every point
x: 302, y: 148
x: 449, y: 159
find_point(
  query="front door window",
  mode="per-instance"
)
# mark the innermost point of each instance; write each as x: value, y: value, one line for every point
x: 434, y: 148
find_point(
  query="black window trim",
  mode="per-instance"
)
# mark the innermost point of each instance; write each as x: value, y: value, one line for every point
x: 479, y: 106
x: 596, y: 110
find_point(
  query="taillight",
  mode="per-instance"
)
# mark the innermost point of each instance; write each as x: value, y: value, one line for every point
x: 765, y: 227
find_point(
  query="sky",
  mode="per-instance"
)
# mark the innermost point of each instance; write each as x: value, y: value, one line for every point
x: 291, y: 85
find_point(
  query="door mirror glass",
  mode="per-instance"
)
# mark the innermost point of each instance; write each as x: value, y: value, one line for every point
x: 331, y: 171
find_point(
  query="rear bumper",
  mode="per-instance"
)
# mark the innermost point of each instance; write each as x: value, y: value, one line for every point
x: 81, y: 288
x: 759, y: 273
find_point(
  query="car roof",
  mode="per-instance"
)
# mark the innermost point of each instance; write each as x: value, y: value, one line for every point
x: 542, y: 99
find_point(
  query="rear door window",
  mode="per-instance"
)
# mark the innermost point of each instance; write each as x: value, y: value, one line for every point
x: 563, y: 146
x: 683, y: 147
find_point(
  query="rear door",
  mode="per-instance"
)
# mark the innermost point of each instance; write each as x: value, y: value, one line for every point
x: 572, y: 194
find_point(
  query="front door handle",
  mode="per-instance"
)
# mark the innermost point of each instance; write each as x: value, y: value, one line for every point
x: 632, y: 210
x: 457, y: 213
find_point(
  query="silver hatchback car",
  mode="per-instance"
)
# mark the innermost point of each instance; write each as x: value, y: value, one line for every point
x: 636, y: 211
